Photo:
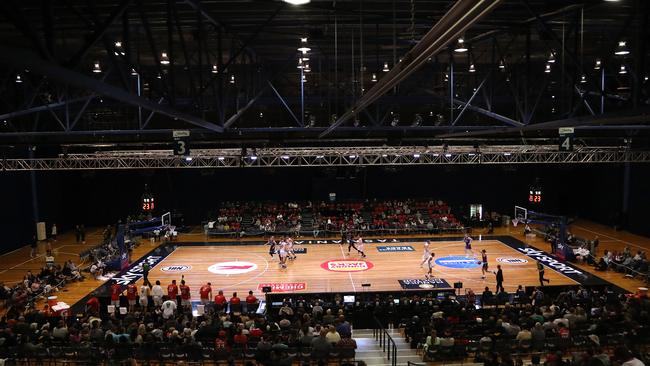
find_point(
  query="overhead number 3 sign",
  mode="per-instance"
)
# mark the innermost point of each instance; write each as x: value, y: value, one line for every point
x: 181, y: 142
x: 566, y: 139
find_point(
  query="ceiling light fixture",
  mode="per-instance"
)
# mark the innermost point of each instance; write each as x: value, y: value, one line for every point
x: 622, y: 50
x: 597, y: 65
x: 583, y: 79
x: 551, y: 58
x: 297, y: 2
x: 471, y: 68
x: 133, y: 72
x: 215, y: 69
x: 18, y: 79
x: 232, y: 79
x: 374, y: 78
x: 460, y: 46
x: 622, y: 70
x: 97, y: 68
x: 303, y: 47
x: 502, y: 65
x: 164, y: 59
x: 547, y: 69
x: 307, y: 68
x: 304, y: 79
x: 385, y: 69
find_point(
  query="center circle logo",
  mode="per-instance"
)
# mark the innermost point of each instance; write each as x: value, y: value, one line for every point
x: 426, y: 285
x: 512, y: 260
x: 176, y: 268
x: 347, y: 265
x: 232, y: 268
x: 458, y: 262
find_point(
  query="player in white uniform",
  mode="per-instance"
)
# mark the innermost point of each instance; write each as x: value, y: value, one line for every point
x: 282, y: 253
x: 468, y: 246
x: 290, y: 254
x: 426, y: 254
x: 359, y: 246
x: 430, y: 265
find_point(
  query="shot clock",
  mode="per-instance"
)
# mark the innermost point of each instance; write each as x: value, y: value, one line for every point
x: 535, y: 195
x: 148, y: 203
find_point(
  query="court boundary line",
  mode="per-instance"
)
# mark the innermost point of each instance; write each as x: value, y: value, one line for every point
x: 354, y: 288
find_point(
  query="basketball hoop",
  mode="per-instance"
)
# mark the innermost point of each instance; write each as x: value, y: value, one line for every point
x: 515, y: 222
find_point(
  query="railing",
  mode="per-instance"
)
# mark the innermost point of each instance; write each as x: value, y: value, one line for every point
x: 386, y: 341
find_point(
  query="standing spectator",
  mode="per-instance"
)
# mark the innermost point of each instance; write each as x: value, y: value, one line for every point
x: 54, y: 232
x: 146, y: 267
x: 82, y: 233
x: 131, y: 295
x: 77, y: 233
x: 499, y: 278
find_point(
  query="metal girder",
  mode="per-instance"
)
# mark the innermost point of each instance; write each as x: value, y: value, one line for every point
x: 634, y: 116
x: 40, y: 108
x: 23, y: 58
x: 335, y: 156
x: 98, y: 33
x: 460, y: 17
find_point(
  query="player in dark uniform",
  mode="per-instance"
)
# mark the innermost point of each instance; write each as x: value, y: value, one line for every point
x: 484, y: 262
x: 540, y: 271
x: 272, y: 244
x: 468, y: 246
x: 430, y: 265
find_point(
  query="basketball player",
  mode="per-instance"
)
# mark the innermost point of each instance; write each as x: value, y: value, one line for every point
x: 186, y: 296
x: 426, y: 254
x: 468, y: 246
x: 352, y: 244
x: 484, y: 261
x: 290, y: 253
x: 144, y: 296
x: 206, y: 293
x: 359, y: 246
x: 131, y: 293
x: 282, y: 253
x: 430, y: 265
x: 540, y: 271
x: 272, y: 244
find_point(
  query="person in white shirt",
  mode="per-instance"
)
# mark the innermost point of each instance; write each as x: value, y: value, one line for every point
x: 168, y: 308
x: 157, y: 294
x: 144, y: 297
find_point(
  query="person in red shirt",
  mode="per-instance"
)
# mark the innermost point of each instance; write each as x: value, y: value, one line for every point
x: 235, y: 303
x: 131, y: 294
x: 251, y: 300
x: 172, y: 291
x: 92, y: 306
x: 186, y: 297
x: 240, y: 339
x: 116, y: 291
x: 206, y: 293
x: 220, y: 300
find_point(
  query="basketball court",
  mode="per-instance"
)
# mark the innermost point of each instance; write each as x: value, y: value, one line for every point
x: 325, y: 266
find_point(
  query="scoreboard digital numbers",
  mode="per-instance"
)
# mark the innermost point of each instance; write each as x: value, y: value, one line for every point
x: 148, y: 203
x: 535, y: 195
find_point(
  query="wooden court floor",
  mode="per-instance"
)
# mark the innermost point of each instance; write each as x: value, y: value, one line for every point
x: 14, y: 264
x: 382, y: 270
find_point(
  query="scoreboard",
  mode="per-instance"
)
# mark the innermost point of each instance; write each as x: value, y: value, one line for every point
x: 535, y: 195
x: 148, y: 203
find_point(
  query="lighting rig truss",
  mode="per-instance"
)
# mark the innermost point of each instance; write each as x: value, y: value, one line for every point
x: 331, y: 156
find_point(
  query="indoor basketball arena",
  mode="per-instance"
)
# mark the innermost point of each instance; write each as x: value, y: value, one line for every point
x: 323, y: 182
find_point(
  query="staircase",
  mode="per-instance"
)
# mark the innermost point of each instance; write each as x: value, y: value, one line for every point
x: 370, y: 350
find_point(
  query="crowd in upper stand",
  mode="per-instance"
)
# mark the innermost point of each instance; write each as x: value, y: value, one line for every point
x: 318, y: 218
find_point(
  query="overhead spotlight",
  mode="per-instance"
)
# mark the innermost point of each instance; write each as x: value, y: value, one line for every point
x: 621, y: 49
x: 417, y: 120
x: 303, y: 47
x: 188, y: 158
x: 285, y: 157
x: 118, y: 49
x: 597, y: 65
x: 373, y: 78
x: 97, y: 68
x: 430, y: 113
x: 446, y: 77
x: 307, y: 68
x: 416, y: 155
x: 553, y: 110
x: 622, y: 70
x: 547, y: 69
x: 297, y: 2
x: 304, y: 57
x: 508, y: 78
x: 502, y: 65
x: 551, y: 58
x: 460, y: 46
x: 583, y: 79
x: 304, y: 79
x: 215, y: 69
x: 471, y: 68
x: 158, y: 76
x: 18, y: 79
x: 301, y: 65
x: 164, y: 59
x: 133, y: 72
x: 385, y: 69
x: 645, y: 78
x: 232, y: 79
x: 261, y: 114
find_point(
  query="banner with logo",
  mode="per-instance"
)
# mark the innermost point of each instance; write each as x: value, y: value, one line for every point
x: 433, y: 283
x: 283, y: 286
x: 394, y: 248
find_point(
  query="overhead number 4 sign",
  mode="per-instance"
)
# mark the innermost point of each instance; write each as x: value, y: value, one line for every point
x: 181, y: 142
x: 566, y: 138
